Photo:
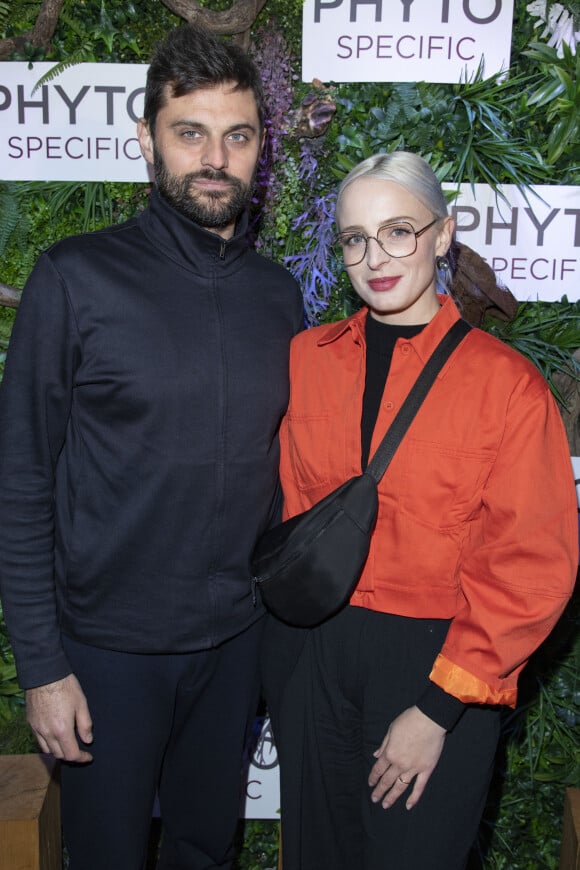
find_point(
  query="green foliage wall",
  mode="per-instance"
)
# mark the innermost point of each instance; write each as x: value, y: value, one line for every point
x: 523, y: 129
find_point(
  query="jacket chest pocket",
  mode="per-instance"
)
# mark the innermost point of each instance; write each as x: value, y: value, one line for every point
x: 316, y: 449
x: 441, y: 486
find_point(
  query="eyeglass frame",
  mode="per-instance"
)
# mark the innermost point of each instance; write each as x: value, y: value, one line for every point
x: 416, y: 233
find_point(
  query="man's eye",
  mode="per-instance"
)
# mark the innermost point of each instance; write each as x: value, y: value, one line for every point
x: 190, y: 134
x: 238, y: 137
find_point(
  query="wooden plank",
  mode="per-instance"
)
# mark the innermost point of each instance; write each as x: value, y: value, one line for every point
x: 570, y: 851
x: 30, y: 834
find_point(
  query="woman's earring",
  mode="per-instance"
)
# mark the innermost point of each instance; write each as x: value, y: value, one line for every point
x: 443, y: 276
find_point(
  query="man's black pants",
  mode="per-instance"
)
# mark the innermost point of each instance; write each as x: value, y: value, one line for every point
x: 172, y: 724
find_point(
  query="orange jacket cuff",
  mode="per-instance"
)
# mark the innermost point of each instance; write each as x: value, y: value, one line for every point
x: 467, y: 687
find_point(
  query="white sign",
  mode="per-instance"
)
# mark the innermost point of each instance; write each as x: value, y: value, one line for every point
x: 404, y: 40
x: 576, y: 470
x: 262, y: 798
x: 532, y: 245
x: 79, y: 126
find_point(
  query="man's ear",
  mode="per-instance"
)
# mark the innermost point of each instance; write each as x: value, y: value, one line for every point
x: 145, y: 140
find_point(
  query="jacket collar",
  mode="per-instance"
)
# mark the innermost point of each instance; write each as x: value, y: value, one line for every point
x: 187, y: 243
x: 423, y: 344
x: 354, y: 325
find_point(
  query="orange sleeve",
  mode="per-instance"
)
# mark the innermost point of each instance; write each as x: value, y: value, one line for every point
x: 519, y: 562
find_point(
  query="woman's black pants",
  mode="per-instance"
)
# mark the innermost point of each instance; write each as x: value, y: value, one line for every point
x: 332, y: 693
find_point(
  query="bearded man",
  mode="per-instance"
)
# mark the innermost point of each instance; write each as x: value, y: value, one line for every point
x: 145, y: 381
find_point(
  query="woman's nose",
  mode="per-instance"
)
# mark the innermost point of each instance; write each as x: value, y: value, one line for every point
x: 376, y: 254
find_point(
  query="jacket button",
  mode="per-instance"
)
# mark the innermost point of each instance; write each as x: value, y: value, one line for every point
x: 406, y: 348
x: 389, y: 406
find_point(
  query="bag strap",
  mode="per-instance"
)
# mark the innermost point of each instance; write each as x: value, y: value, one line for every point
x: 386, y: 449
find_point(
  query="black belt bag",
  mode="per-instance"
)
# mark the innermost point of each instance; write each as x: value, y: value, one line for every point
x: 307, y: 567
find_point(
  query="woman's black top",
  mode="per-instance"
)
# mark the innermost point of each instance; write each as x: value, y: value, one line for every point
x: 381, y: 337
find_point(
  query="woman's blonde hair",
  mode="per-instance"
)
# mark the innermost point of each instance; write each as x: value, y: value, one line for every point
x: 404, y: 168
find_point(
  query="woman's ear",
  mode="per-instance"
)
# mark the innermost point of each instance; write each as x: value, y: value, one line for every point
x: 445, y: 236
x: 145, y: 140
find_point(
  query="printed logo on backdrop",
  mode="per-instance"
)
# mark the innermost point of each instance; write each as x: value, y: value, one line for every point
x: 262, y: 798
x: 404, y: 40
x: 532, y: 244
x: 79, y: 126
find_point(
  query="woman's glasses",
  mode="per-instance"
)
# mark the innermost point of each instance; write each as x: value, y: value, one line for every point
x: 396, y: 239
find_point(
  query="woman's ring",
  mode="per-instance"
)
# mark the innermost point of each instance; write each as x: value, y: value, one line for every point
x: 400, y: 778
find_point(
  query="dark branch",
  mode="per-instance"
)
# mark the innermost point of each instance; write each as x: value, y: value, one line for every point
x: 40, y: 35
x: 9, y: 296
x: 235, y: 21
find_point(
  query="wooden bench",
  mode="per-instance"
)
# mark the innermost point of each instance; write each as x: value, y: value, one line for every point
x: 30, y: 835
x: 570, y: 852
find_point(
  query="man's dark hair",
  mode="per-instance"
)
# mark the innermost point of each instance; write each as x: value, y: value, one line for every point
x: 191, y: 58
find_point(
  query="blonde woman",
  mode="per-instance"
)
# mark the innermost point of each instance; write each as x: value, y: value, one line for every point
x: 386, y: 716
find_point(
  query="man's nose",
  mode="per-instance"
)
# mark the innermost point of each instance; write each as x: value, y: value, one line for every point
x: 215, y: 154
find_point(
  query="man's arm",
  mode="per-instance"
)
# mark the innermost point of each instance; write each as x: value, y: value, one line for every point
x: 55, y: 712
x: 35, y: 405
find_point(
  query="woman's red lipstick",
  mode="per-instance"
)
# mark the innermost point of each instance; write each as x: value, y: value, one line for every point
x: 380, y: 285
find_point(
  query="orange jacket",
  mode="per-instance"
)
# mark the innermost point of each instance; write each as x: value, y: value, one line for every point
x: 477, y: 512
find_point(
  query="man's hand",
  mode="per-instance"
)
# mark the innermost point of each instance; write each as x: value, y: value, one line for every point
x: 53, y: 712
x: 411, y: 748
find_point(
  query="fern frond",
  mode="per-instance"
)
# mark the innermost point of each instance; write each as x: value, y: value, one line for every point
x: 4, y: 10
x: 83, y: 54
x: 9, y: 217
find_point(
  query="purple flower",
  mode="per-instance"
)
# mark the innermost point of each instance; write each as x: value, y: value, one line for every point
x: 310, y: 266
x: 272, y: 57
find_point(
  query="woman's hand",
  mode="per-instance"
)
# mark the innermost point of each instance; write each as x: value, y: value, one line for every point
x: 411, y: 749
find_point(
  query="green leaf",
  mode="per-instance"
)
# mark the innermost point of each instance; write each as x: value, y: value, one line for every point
x: 546, y: 93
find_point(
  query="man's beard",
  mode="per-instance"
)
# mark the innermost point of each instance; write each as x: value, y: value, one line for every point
x: 211, y: 209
